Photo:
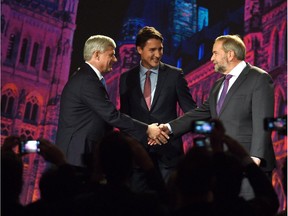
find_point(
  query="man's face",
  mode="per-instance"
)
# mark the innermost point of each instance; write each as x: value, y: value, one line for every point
x: 106, y: 60
x: 151, y: 53
x: 219, y: 58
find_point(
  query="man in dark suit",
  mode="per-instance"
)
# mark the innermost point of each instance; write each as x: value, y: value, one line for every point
x: 249, y: 99
x: 167, y: 88
x: 86, y: 113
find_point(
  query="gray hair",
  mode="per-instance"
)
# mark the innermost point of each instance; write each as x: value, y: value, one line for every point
x: 97, y: 43
x: 234, y: 43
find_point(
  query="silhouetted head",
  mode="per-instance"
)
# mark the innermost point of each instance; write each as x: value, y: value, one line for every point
x: 11, y: 176
x: 115, y: 158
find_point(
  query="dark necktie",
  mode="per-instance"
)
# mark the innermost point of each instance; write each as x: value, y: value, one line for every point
x: 147, y: 89
x: 223, y: 93
x: 103, y: 82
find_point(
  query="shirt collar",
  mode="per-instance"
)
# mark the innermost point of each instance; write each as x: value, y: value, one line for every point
x: 236, y: 71
x: 143, y: 70
x: 95, y: 70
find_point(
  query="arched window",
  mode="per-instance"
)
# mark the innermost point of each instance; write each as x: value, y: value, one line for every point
x: 23, y: 51
x: 226, y: 31
x: 7, y: 103
x: 201, y: 51
x: 179, y: 62
x: 11, y: 45
x: 31, y: 110
x: 46, y: 59
x: 34, y: 54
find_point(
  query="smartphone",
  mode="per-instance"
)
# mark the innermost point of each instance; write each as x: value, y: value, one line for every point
x: 275, y: 124
x: 202, y: 127
x: 29, y: 146
x: 200, y: 142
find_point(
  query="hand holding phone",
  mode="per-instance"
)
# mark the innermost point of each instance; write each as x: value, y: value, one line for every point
x: 29, y: 146
x: 202, y: 127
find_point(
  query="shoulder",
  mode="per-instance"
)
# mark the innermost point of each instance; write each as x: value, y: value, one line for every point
x: 131, y: 71
x: 164, y: 66
x: 255, y: 70
x: 130, y: 74
x: 258, y: 74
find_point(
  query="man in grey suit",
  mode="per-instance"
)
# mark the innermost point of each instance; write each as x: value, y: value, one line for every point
x: 167, y: 88
x: 86, y: 113
x: 249, y: 99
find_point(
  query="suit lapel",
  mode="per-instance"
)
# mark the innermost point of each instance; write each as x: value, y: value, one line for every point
x: 162, y: 75
x: 215, y: 92
x: 134, y: 81
x: 242, y: 77
x: 90, y: 70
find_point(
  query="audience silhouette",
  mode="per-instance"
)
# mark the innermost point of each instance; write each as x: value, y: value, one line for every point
x: 11, y: 178
x: 207, y: 181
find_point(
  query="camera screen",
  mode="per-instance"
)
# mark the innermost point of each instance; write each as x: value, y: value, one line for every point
x: 30, y: 146
x: 202, y: 127
x: 277, y: 124
x: 199, y: 142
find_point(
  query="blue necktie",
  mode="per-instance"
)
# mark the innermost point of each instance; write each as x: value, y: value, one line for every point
x: 223, y: 93
x: 104, y: 83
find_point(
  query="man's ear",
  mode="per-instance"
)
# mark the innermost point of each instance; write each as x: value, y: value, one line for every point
x: 231, y: 55
x: 139, y: 50
x: 96, y: 55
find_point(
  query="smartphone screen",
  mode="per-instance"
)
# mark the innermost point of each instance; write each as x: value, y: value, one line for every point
x: 275, y: 124
x: 202, y: 127
x: 30, y: 146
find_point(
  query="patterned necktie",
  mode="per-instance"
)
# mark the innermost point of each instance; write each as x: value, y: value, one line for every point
x: 104, y: 83
x: 147, y: 89
x: 223, y: 93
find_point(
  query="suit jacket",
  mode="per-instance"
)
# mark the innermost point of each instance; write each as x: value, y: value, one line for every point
x: 87, y: 114
x: 247, y: 103
x: 171, y: 89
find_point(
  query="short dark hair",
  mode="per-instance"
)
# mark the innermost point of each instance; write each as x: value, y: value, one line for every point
x: 147, y: 33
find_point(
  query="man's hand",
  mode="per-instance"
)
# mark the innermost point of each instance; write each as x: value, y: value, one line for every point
x: 165, y: 128
x: 156, y: 135
x: 256, y: 160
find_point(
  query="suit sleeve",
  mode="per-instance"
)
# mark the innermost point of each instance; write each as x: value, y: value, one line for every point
x: 262, y: 106
x: 183, y: 124
x: 96, y: 98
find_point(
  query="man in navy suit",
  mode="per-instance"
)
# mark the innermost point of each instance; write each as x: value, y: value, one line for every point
x: 249, y: 99
x: 168, y: 88
x: 86, y: 113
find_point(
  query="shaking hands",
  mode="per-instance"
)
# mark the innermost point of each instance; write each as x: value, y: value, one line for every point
x: 158, y: 134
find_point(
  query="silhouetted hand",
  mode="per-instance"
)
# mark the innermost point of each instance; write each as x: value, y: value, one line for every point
x: 217, y: 135
x: 140, y: 155
x: 10, y: 143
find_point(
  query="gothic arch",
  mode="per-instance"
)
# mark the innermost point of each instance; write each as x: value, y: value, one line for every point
x: 274, y: 48
x: 279, y: 100
x: 11, y: 86
x: 9, y: 99
x: 283, y: 42
x: 33, y: 106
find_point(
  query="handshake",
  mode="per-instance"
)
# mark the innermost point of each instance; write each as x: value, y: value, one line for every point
x: 158, y: 134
